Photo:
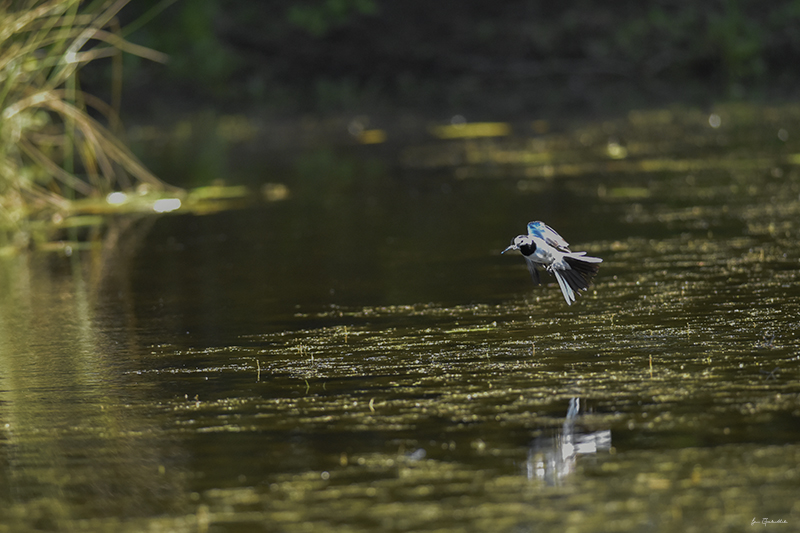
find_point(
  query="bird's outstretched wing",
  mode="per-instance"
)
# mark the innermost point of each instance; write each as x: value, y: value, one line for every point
x: 533, y: 270
x: 548, y: 235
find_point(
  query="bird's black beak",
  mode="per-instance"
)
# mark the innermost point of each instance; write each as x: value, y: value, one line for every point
x: 512, y: 247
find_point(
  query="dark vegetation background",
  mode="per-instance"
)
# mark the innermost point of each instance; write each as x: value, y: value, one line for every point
x: 494, y: 60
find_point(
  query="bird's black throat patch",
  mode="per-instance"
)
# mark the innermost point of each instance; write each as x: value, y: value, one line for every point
x: 527, y: 249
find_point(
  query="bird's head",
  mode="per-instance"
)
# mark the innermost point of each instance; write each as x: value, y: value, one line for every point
x: 523, y: 243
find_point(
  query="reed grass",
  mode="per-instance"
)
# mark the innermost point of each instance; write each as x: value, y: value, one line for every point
x: 57, y: 142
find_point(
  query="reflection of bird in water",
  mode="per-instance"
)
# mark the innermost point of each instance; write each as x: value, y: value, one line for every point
x: 552, y: 460
x: 543, y: 246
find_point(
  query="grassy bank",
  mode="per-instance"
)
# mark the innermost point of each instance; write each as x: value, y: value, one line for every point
x: 58, y: 143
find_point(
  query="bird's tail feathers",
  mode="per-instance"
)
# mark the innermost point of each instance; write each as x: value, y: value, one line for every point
x: 565, y: 285
x: 583, y: 269
x: 581, y: 256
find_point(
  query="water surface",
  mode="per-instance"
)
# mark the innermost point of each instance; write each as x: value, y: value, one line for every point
x: 361, y: 358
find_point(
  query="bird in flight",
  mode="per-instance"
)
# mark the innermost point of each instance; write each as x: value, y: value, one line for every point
x: 544, y: 247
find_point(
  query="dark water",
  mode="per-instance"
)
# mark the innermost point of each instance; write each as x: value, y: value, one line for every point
x: 359, y: 357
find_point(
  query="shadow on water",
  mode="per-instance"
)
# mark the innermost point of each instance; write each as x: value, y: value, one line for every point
x: 364, y: 359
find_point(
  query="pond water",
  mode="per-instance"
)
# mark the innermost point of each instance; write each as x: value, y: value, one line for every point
x: 360, y: 357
